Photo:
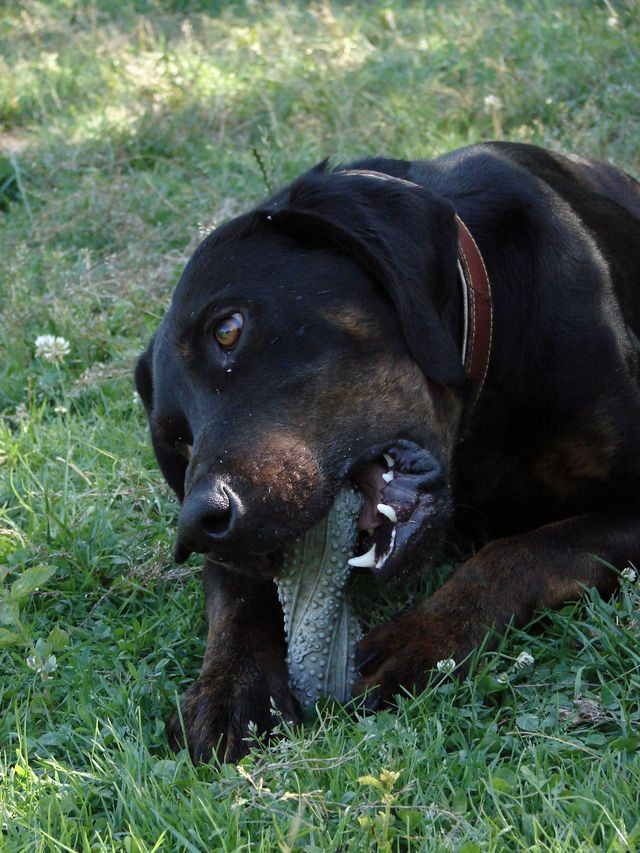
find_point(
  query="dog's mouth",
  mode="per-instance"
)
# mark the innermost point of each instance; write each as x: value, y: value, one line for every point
x: 403, y: 506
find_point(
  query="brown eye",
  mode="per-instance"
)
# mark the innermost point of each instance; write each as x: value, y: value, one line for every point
x: 227, y: 332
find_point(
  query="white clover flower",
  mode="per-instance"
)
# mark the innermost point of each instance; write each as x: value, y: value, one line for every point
x: 613, y: 22
x: 502, y: 678
x: 492, y: 102
x: 447, y: 666
x: 524, y: 660
x: 42, y: 667
x: 629, y: 574
x: 52, y: 348
x: 50, y: 665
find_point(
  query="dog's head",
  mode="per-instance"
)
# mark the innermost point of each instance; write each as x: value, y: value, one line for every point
x: 310, y: 342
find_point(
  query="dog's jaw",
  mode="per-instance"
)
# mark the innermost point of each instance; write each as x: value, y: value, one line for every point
x: 407, y: 506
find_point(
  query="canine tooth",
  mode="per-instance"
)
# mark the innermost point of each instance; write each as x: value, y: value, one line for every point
x: 389, y: 511
x: 387, y: 476
x: 389, y: 460
x: 366, y: 561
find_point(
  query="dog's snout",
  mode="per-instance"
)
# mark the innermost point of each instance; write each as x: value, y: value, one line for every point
x: 208, y: 516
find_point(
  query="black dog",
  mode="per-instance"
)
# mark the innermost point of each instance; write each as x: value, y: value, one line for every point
x: 320, y: 338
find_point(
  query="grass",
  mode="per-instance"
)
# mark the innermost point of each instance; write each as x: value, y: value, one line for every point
x: 126, y: 132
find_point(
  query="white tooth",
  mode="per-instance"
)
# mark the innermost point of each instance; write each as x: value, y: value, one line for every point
x: 386, y: 555
x: 389, y: 511
x: 366, y: 561
x: 388, y: 476
x: 389, y: 460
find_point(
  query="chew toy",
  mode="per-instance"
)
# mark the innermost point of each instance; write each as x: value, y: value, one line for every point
x: 321, y: 627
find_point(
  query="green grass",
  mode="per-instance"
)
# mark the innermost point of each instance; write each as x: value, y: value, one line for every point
x: 126, y: 131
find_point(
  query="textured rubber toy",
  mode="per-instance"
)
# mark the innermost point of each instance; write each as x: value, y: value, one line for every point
x: 321, y: 627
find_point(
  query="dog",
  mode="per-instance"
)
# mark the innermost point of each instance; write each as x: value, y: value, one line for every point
x: 468, y: 323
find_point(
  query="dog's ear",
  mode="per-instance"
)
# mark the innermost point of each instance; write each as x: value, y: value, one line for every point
x: 172, y: 464
x: 404, y: 235
x: 143, y: 377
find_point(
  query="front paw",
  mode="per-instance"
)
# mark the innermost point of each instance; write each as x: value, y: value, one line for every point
x: 217, y: 711
x: 398, y: 656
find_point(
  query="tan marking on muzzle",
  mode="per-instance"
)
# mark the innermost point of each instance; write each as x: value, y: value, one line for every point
x: 397, y: 395
x: 283, y: 466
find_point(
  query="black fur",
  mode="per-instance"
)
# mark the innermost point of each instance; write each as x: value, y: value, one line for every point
x: 347, y: 284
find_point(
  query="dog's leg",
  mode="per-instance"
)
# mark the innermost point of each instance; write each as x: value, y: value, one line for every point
x: 243, y: 675
x: 508, y: 579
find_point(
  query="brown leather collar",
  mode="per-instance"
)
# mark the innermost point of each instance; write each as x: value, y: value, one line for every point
x: 476, y: 296
x: 478, y: 309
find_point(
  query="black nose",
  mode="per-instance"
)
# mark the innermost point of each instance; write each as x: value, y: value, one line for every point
x: 207, y: 517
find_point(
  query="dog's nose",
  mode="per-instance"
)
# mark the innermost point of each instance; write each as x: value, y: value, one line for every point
x: 207, y: 517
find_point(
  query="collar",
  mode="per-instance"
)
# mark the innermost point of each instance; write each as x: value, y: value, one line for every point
x: 477, y: 309
x: 476, y: 296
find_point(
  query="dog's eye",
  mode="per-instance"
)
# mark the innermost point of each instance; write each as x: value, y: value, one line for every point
x: 227, y: 332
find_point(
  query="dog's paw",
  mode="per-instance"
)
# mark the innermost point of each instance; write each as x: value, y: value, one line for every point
x: 398, y: 656
x: 222, y: 709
